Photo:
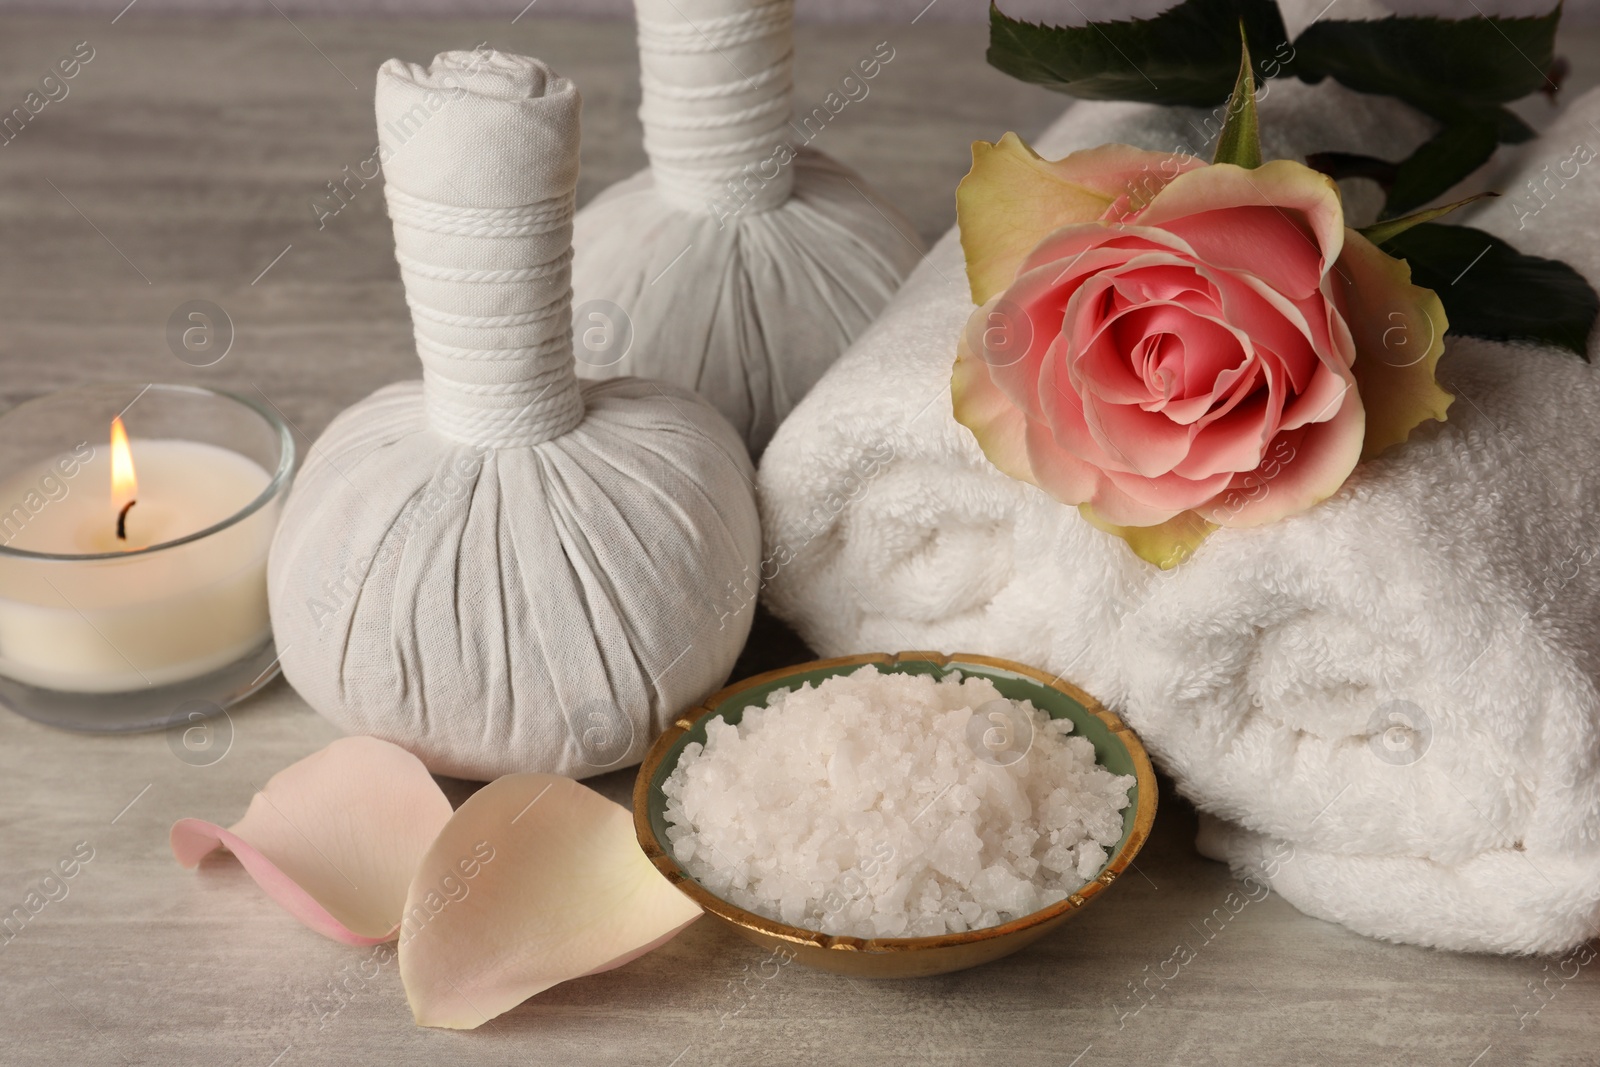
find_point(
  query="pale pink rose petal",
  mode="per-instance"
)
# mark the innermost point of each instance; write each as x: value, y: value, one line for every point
x: 1102, y: 369
x: 558, y: 888
x: 1011, y: 196
x: 334, y: 838
x: 1151, y: 442
x: 1072, y: 481
x: 1318, y: 373
x: 1319, y: 459
x: 1208, y: 347
x: 1196, y: 207
x: 1166, y: 495
x: 1154, y: 276
x: 1098, y: 358
x: 1069, y: 464
x: 1233, y: 443
x: 995, y: 419
x: 1322, y: 396
x: 1066, y: 462
x: 1136, y: 430
x: 1214, y: 356
x: 1159, y: 357
x: 1230, y: 386
x: 1061, y: 248
x: 1064, y: 409
x: 1022, y: 322
x: 1315, y: 311
x: 1274, y: 244
x: 1278, y: 325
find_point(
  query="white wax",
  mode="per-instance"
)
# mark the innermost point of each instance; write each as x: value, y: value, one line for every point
x: 141, y: 619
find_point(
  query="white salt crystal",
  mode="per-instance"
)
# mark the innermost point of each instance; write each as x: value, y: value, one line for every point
x: 863, y: 806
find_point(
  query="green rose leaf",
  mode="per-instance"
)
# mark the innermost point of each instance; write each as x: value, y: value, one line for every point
x: 1459, y: 71
x: 1491, y: 290
x: 1455, y: 152
x: 1183, y: 56
x: 1452, y: 69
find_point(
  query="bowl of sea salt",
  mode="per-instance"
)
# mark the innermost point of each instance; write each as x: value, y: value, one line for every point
x: 893, y: 816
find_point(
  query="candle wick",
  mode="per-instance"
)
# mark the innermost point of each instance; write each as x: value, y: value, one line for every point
x: 122, y: 520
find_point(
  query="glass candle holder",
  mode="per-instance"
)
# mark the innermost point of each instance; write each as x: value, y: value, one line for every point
x: 133, y: 590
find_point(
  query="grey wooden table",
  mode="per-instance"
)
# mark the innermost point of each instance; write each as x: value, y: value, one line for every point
x: 183, y: 164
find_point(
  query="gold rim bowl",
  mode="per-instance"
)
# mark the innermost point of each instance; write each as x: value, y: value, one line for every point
x: 1116, y: 747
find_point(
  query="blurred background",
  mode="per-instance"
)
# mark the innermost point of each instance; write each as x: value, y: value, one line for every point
x: 1057, y: 12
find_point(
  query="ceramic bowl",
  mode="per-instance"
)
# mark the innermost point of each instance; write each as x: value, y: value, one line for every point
x: 1116, y: 748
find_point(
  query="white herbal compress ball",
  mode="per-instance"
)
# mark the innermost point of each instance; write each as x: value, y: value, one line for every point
x: 497, y: 567
x: 749, y: 258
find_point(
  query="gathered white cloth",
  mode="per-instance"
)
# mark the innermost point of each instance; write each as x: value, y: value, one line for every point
x: 1386, y: 706
x: 751, y: 259
x: 498, y: 567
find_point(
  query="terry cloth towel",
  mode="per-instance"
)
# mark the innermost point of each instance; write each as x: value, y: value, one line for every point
x: 1389, y: 702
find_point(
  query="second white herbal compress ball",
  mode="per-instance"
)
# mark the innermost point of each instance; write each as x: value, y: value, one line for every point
x: 749, y: 258
x: 498, y: 567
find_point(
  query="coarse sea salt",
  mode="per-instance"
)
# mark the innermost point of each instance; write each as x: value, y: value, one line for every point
x: 893, y: 805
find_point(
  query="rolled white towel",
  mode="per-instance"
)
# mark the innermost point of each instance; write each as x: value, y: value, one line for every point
x: 1455, y: 583
x: 885, y: 524
x: 1439, y: 588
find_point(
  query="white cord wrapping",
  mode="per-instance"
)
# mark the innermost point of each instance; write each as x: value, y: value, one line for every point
x: 503, y: 380
x: 716, y: 103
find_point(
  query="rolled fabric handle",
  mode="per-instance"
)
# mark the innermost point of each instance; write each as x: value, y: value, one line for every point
x: 717, y: 81
x: 480, y: 156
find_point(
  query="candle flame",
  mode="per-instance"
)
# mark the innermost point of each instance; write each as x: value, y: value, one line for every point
x: 124, y: 483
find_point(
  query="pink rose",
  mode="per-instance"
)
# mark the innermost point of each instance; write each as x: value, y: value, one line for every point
x: 1172, y: 344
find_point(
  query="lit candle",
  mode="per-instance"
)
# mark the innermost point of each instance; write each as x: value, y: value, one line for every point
x: 134, y: 566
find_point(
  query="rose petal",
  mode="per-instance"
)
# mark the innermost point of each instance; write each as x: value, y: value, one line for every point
x: 334, y: 838
x: 1072, y: 481
x: 1230, y: 443
x: 1251, y: 220
x: 1279, y: 325
x: 1148, y: 441
x: 1398, y: 329
x: 1301, y: 468
x: 1156, y: 500
x: 565, y: 891
x: 996, y: 422
x: 1011, y: 198
x: 1061, y: 249
x: 1066, y: 412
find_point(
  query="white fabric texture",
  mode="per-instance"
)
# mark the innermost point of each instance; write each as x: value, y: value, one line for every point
x: 1287, y: 677
x: 749, y: 258
x: 499, y: 568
